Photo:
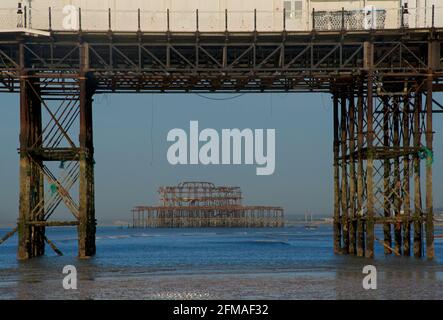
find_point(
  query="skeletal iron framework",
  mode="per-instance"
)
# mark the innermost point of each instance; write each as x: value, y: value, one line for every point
x: 378, y: 147
x: 202, y: 204
x: 382, y: 83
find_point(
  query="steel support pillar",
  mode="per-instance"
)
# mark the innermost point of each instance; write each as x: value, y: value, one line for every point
x: 429, y: 222
x: 386, y: 179
x: 344, y: 172
x: 31, y: 238
x: 406, y: 177
x: 87, y: 222
x: 369, y: 64
x: 361, y: 227
x: 383, y: 133
x: 434, y: 61
x: 52, y: 142
x: 336, y: 146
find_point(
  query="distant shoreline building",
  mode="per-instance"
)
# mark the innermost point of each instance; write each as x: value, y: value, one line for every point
x: 201, y: 205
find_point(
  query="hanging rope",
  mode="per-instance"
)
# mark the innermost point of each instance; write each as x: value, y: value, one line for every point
x: 323, y: 102
x: 219, y: 99
x: 103, y: 98
x: 272, y: 104
x: 426, y: 153
x: 151, y: 134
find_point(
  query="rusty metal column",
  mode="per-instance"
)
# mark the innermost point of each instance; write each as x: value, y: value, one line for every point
x: 387, y: 238
x: 434, y: 62
x: 429, y: 224
x: 418, y: 222
x: 406, y: 179
x: 344, y: 173
x: 397, y: 177
x: 370, y: 223
x: 360, y: 172
x: 87, y: 222
x: 369, y: 58
x: 352, y: 178
x: 337, y: 224
x: 24, y: 232
x: 37, y: 178
x: 31, y: 239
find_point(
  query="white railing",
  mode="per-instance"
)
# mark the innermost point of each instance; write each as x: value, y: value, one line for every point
x: 206, y: 21
x: 349, y: 20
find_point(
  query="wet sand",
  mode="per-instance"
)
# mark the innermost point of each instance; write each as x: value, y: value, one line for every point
x: 223, y: 264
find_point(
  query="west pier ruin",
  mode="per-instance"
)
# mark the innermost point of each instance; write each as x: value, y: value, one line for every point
x: 202, y: 204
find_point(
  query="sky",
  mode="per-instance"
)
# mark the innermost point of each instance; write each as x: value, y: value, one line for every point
x: 130, y: 143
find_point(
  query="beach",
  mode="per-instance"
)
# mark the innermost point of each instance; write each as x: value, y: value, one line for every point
x: 278, y: 263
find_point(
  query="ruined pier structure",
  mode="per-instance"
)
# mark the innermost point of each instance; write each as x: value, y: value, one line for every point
x: 202, y: 204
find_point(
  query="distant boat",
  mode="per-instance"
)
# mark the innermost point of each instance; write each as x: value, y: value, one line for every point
x: 309, y: 225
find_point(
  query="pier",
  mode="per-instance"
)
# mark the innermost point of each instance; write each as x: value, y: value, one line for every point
x: 382, y: 83
x: 203, y: 205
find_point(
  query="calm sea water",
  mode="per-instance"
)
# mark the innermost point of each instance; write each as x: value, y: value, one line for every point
x: 287, y: 263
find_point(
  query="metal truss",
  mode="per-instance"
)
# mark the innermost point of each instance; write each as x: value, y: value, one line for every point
x: 183, y: 62
x: 382, y: 126
x: 49, y: 122
x: 379, y: 145
x: 46, y: 135
x: 202, y: 204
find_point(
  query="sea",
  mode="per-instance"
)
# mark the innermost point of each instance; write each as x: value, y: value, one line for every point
x: 221, y: 263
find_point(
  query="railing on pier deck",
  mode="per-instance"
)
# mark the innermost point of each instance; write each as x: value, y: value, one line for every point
x: 53, y: 19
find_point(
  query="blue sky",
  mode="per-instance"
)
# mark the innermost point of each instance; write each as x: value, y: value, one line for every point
x: 130, y: 150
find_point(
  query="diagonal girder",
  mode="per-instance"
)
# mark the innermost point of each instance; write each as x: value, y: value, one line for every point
x: 54, y: 118
x: 60, y: 189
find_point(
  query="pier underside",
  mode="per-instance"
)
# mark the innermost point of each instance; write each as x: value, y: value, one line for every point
x: 382, y: 84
